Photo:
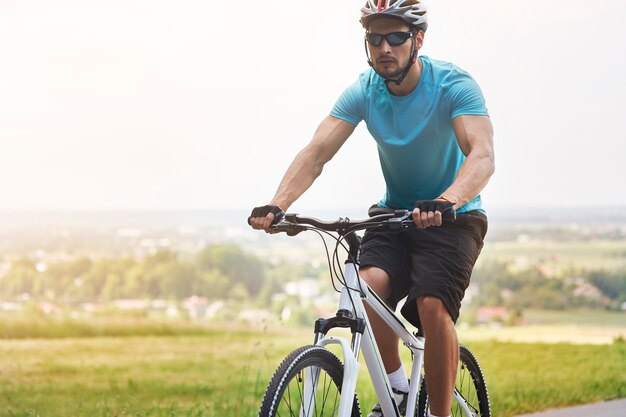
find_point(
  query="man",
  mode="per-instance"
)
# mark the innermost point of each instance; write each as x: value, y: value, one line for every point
x: 435, y: 145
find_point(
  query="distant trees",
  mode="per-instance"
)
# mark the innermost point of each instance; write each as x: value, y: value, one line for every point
x: 21, y: 278
x: 610, y: 283
x: 232, y: 262
x: 228, y: 272
x: 501, y: 285
x: 219, y: 271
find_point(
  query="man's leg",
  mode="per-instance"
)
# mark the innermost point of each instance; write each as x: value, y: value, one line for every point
x: 441, y: 355
x: 386, y: 339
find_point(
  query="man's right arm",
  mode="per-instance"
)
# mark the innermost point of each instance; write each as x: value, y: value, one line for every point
x: 331, y: 134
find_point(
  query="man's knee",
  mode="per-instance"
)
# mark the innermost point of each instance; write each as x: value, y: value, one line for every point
x: 431, y: 309
x: 378, y: 280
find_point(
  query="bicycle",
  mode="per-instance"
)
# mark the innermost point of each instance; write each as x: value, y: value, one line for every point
x: 312, y: 381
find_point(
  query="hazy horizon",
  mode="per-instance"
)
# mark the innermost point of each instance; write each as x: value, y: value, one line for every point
x: 533, y: 215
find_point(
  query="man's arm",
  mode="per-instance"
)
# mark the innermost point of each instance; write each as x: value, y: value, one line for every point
x: 307, y: 165
x: 475, y: 137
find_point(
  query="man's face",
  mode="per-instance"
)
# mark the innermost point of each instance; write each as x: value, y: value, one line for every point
x: 390, y: 61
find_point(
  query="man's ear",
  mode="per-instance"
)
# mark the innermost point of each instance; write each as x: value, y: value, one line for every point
x: 419, y: 40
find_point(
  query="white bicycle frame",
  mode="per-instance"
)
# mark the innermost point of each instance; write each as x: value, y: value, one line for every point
x: 352, y: 300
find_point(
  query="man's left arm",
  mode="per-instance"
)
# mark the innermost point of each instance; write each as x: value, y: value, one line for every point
x: 475, y: 137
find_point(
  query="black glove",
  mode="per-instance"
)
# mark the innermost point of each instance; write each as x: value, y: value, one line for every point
x: 263, y: 211
x: 445, y: 207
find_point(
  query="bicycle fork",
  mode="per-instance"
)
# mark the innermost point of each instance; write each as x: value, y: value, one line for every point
x: 351, y: 313
x: 346, y: 318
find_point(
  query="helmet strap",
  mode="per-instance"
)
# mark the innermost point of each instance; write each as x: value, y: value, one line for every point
x: 404, y: 73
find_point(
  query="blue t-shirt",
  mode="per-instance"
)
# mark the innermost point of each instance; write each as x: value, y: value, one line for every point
x: 418, y: 150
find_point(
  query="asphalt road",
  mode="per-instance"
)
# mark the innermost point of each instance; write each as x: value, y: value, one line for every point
x: 615, y: 408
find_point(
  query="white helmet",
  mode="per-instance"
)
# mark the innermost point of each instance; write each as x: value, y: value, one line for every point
x: 411, y: 11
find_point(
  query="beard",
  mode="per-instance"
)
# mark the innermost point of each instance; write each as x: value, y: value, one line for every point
x: 390, y: 71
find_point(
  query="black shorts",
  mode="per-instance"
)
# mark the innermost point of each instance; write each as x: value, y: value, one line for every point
x: 435, y: 261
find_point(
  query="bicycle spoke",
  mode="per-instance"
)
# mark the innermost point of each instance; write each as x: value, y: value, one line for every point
x: 300, y: 386
x: 287, y: 401
x: 461, y: 390
x: 469, y: 404
x: 328, y: 386
x: 324, y: 395
x: 308, y: 402
x: 335, y: 404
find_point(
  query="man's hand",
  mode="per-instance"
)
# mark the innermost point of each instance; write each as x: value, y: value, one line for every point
x: 265, y: 216
x: 431, y: 212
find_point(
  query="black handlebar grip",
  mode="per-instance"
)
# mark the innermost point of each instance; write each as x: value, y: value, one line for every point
x: 264, y: 211
x: 449, y: 215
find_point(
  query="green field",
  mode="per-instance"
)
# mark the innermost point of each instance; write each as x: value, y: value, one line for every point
x: 587, y: 327
x: 224, y: 372
x: 597, y: 254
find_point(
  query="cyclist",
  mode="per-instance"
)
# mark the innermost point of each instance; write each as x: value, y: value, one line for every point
x: 435, y: 143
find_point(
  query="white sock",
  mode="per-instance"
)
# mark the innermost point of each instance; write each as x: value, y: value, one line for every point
x: 432, y: 415
x: 398, y: 379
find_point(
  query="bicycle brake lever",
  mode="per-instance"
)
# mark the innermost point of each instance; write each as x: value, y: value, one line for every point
x: 288, y: 228
x: 399, y: 223
x: 449, y: 215
x: 295, y: 230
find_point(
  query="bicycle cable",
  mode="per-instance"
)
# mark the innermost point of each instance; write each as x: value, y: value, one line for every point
x: 354, y: 262
x: 334, y: 262
x: 330, y: 262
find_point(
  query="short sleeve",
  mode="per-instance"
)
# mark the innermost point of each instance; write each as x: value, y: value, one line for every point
x: 465, y: 96
x: 350, y: 105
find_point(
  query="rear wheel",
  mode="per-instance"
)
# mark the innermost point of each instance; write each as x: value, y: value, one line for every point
x: 322, y: 373
x: 470, y: 387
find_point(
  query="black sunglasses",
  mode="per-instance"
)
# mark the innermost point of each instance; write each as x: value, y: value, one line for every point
x: 393, y: 38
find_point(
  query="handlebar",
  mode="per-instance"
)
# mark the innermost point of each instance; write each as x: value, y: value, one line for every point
x: 293, y: 223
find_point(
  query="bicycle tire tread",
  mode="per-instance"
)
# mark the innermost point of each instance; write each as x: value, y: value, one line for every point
x: 469, y: 359
x: 294, y: 361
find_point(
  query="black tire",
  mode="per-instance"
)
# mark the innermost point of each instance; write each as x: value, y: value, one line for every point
x: 283, y: 396
x: 470, y: 383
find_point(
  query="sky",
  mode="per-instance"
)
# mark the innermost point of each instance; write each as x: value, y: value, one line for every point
x: 160, y: 105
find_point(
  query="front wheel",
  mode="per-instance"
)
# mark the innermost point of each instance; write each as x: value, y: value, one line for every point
x: 470, y: 391
x: 306, y: 384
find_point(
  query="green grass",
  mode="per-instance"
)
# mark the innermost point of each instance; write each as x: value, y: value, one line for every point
x: 524, y: 378
x: 130, y: 376
x: 582, y: 317
x: 582, y: 326
x: 27, y: 326
x: 224, y: 373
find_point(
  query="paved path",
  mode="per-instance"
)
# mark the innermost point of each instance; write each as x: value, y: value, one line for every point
x: 615, y: 408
